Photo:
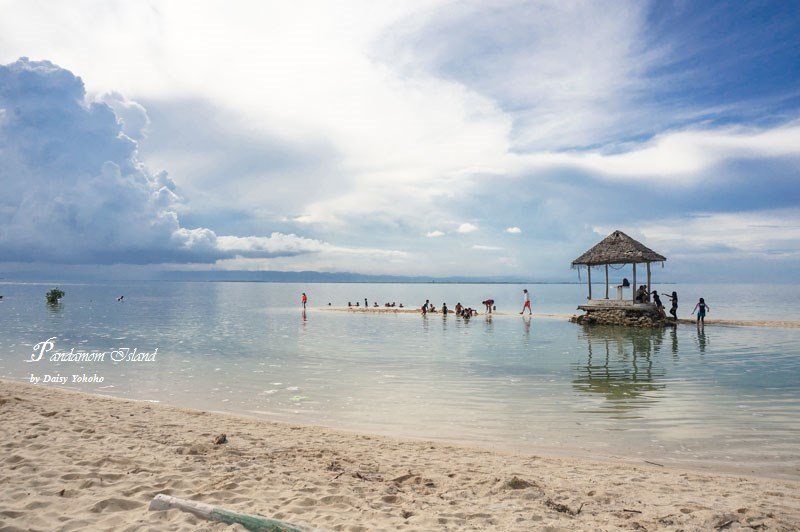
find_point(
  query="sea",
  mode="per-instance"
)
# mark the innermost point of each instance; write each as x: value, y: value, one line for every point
x: 719, y: 397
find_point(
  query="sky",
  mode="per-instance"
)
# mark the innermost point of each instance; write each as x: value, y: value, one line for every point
x: 433, y: 138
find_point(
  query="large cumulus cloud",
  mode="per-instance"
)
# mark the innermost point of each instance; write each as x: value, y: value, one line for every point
x: 75, y: 191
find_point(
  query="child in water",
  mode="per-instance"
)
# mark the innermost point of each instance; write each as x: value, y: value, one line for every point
x: 701, y: 309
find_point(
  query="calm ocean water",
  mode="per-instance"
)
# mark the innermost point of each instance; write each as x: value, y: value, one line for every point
x: 723, y: 397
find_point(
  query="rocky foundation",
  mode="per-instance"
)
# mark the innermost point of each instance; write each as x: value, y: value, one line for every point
x: 625, y: 317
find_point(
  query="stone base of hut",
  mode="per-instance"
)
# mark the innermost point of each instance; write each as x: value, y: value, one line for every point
x: 628, y: 317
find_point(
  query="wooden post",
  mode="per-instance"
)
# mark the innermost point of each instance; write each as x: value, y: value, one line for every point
x: 634, y: 288
x: 606, y: 281
x: 589, y: 275
x: 648, y: 280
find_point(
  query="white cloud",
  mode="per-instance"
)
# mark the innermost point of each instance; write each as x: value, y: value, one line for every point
x: 570, y: 74
x: 521, y: 96
x: 486, y: 248
x: 513, y: 230
x: 434, y: 234
x: 398, y: 139
x: 467, y: 228
x: 681, y: 157
x: 131, y: 115
x: 273, y: 245
x: 279, y: 244
x: 405, y: 116
x: 91, y: 200
x: 74, y: 190
x: 763, y: 233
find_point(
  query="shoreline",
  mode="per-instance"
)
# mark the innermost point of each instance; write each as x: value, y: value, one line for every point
x: 74, y: 460
x: 780, y: 324
x: 568, y: 452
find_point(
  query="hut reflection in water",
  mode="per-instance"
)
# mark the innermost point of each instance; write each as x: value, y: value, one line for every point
x: 622, y: 365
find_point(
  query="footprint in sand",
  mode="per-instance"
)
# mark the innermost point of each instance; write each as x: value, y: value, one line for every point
x: 115, y: 505
x: 338, y: 500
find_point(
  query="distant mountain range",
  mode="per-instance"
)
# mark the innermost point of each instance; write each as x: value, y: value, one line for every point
x: 326, y: 277
x: 89, y: 274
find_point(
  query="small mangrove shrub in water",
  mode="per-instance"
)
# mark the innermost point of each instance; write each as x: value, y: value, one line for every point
x: 54, y: 295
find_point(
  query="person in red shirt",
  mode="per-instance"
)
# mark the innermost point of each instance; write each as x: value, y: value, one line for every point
x: 304, y: 299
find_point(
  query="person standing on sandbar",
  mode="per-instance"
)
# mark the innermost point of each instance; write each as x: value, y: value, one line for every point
x: 527, y: 303
x: 701, y: 308
x: 304, y: 300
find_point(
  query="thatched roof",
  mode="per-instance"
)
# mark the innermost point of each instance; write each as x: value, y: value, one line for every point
x: 618, y: 248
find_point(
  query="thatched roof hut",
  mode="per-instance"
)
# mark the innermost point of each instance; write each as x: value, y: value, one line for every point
x: 618, y: 248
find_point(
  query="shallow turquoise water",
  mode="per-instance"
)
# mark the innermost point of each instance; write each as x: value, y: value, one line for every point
x: 726, y: 396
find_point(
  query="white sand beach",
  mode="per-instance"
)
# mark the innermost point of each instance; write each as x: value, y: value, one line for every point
x: 783, y: 324
x: 73, y: 461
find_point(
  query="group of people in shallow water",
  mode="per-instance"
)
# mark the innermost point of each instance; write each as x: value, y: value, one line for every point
x: 459, y: 310
x: 374, y: 304
x: 642, y: 296
x: 468, y: 312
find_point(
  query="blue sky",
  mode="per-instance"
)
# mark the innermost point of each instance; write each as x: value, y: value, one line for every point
x: 414, y: 138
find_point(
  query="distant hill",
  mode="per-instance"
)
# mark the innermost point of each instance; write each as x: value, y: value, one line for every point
x: 88, y: 274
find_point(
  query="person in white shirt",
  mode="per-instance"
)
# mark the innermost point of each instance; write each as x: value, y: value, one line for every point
x: 527, y: 304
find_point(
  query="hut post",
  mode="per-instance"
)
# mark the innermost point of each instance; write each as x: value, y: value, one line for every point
x: 634, y: 287
x: 606, y: 281
x: 648, y: 280
x: 589, y: 276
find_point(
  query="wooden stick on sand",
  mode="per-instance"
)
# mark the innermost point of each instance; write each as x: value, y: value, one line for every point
x: 256, y: 523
